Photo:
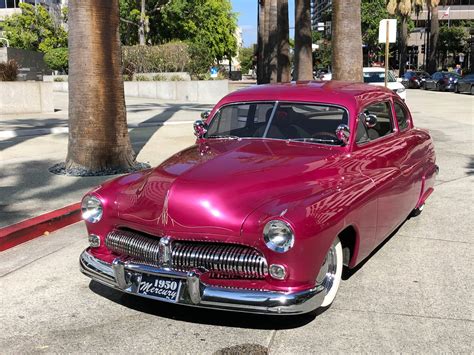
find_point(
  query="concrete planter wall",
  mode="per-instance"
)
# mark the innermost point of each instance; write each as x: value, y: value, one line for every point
x: 26, y: 97
x: 184, y: 91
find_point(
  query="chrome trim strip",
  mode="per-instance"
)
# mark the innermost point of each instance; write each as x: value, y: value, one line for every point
x: 196, y: 293
x: 270, y: 120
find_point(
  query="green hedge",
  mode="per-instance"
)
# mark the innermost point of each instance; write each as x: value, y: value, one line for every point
x: 169, y: 57
x: 57, y: 59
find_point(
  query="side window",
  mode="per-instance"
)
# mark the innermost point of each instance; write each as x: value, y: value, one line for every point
x: 383, y: 127
x: 402, y: 117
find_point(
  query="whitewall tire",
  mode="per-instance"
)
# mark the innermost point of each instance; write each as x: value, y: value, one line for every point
x: 330, y: 274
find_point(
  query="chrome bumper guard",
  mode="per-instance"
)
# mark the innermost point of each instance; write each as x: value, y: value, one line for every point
x: 123, y: 276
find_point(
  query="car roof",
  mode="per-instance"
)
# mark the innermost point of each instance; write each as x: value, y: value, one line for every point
x: 348, y: 94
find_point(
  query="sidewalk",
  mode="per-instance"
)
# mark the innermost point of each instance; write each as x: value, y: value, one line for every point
x: 27, y: 189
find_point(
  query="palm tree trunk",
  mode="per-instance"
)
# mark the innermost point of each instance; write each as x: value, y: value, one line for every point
x: 283, y: 42
x: 273, y: 41
x: 261, y: 42
x: 346, y: 40
x: 303, y: 41
x: 141, y: 27
x: 98, y: 135
x: 403, y: 45
x: 434, y: 34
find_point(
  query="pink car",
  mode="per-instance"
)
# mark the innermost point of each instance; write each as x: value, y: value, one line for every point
x: 286, y: 185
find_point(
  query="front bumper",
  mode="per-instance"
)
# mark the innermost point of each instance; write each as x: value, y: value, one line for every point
x: 123, y: 276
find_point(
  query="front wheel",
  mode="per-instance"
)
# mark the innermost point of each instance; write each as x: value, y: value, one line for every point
x: 330, y: 274
x: 472, y: 90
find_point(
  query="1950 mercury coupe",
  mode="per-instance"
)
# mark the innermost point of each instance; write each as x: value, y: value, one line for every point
x: 286, y: 185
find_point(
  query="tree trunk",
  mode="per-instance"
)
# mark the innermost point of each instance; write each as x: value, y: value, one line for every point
x: 141, y: 27
x: 403, y: 45
x: 434, y: 33
x: 98, y: 135
x: 261, y: 43
x: 266, y: 42
x: 303, y: 41
x: 346, y: 40
x: 283, y: 43
x: 272, y: 51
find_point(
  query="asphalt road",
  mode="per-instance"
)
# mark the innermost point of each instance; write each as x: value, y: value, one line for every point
x: 415, y: 294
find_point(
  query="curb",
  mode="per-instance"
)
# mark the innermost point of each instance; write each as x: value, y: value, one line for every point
x: 24, y: 231
x: 57, y: 130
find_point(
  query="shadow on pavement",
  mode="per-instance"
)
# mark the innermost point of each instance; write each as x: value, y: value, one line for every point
x: 203, y: 315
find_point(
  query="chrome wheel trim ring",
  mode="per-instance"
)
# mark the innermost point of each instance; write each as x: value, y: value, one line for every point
x: 327, y: 273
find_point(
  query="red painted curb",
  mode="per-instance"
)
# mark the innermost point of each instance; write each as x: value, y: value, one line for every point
x: 35, y: 227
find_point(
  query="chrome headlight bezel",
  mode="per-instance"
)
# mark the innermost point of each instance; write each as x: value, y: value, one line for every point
x: 278, y: 236
x: 92, y: 209
x: 400, y: 90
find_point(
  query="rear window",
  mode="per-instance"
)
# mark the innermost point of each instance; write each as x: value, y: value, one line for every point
x: 377, y: 77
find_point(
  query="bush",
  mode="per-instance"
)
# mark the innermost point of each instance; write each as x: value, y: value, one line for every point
x: 201, y: 59
x: 142, y: 78
x: 57, y: 59
x: 159, y: 77
x: 169, y: 57
x: 8, y: 70
x: 59, y: 80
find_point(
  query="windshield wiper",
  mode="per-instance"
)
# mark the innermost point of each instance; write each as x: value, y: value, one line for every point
x: 223, y: 136
x: 316, y: 140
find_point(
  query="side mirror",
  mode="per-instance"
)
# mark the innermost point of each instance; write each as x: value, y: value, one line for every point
x: 205, y: 115
x: 200, y: 128
x: 369, y: 119
x: 343, y: 133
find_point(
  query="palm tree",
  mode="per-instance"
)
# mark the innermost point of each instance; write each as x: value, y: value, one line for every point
x: 403, y: 9
x: 98, y: 135
x: 283, y: 73
x: 273, y: 50
x: 303, y: 41
x: 434, y: 34
x: 346, y: 40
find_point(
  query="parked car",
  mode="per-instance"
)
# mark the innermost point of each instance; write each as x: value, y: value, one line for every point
x: 465, y: 84
x: 285, y: 185
x: 376, y: 76
x: 414, y: 79
x: 442, y: 81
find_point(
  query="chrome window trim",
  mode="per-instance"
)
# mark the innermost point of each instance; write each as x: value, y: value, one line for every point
x: 394, y: 128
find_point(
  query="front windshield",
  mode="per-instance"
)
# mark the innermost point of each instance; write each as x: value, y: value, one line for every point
x: 377, y: 77
x: 288, y: 121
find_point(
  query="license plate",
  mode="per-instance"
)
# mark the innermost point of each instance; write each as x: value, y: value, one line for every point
x: 163, y: 288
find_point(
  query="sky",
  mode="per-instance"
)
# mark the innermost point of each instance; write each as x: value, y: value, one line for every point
x: 247, y: 14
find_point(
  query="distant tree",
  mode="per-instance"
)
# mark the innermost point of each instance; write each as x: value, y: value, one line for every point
x: 211, y: 22
x: 34, y: 29
x: 346, y: 40
x: 453, y: 39
x: 246, y: 56
x: 372, y: 12
x: 98, y: 134
x: 303, y: 41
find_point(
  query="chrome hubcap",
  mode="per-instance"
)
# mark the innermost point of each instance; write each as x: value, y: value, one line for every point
x: 328, y: 270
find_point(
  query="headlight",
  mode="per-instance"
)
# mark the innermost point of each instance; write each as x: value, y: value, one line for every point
x: 91, y: 209
x: 401, y: 90
x: 278, y: 236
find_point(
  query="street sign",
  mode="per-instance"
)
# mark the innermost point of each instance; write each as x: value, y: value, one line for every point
x: 392, y: 30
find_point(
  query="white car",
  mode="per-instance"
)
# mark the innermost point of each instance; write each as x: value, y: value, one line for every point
x: 376, y: 76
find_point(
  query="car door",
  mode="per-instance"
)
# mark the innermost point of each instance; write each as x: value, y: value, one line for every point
x: 379, y: 150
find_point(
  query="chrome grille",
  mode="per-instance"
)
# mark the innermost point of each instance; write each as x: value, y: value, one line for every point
x: 222, y: 260
x: 134, y: 245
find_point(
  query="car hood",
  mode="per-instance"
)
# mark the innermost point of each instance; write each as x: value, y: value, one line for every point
x: 212, y: 187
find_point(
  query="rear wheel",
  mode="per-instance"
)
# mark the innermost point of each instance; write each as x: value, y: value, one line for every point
x: 472, y: 89
x: 330, y: 274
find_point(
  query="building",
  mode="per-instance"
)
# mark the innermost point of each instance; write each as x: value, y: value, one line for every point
x: 319, y: 8
x: 453, y: 13
x: 10, y: 7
